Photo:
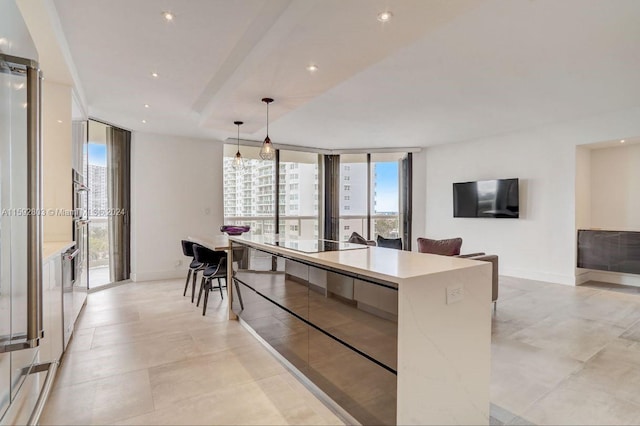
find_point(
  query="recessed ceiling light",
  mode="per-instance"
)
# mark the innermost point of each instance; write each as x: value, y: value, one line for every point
x: 146, y: 105
x: 312, y: 68
x: 154, y: 74
x: 168, y: 16
x: 622, y: 141
x: 385, y: 16
x: 60, y: 121
x: 144, y: 121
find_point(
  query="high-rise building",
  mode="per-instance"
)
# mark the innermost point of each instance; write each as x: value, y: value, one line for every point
x: 249, y: 198
x: 97, y: 181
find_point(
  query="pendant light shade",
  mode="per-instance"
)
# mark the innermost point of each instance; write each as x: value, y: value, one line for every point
x: 238, y: 162
x: 267, y: 152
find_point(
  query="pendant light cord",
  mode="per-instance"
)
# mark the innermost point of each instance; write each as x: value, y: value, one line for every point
x: 267, y: 119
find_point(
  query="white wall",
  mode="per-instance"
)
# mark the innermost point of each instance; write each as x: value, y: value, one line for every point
x: 583, y: 187
x: 583, y: 200
x: 176, y: 192
x: 615, y: 188
x: 541, y: 244
x: 57, y: 190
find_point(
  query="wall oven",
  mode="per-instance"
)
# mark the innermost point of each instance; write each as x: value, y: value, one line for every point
x: 80, y: 230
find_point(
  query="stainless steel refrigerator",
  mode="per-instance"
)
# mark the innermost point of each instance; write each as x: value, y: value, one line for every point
x: 20, y: 222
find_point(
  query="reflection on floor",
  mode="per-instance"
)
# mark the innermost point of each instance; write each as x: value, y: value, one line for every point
x: 363, y: 388
x: 145, y: 355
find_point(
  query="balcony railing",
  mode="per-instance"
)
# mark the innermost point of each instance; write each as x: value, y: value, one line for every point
x: 306, y: 227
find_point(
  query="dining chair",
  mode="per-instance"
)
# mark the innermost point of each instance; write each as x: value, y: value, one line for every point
x: 194, y: 266
x: 216, y: 262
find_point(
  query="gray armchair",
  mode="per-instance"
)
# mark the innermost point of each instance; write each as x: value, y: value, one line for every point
x: 451, y: 247
x: 494, y: 275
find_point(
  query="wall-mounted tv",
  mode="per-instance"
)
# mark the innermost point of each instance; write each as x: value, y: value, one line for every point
x: 497, y: 198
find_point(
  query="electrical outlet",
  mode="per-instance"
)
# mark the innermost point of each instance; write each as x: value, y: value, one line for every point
x: 455, y: 293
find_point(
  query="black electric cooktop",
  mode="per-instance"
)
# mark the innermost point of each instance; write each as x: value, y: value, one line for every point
x: 316, y: 246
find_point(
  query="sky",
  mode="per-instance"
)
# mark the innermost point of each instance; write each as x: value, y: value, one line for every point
x: 97, y: 154
x: 387, y: 187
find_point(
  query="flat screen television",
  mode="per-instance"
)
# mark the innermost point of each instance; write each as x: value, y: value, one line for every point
x: 497, y: 198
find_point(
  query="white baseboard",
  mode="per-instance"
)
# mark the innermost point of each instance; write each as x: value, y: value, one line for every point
x: 609, y: 277
x: 158, y: 275
x: 539, y: 276
x: 582, y: 276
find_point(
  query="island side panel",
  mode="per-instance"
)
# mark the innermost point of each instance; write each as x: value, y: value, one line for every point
x: 444, y: 350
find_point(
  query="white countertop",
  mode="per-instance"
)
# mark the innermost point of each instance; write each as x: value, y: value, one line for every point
x: 378, y: 262
x: 52, y: 248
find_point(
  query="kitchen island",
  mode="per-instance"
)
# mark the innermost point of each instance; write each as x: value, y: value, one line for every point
x: 391, y: 337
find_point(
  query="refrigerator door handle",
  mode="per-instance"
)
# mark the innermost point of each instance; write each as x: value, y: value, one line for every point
x: 34, y: 330
x: 34, y: 202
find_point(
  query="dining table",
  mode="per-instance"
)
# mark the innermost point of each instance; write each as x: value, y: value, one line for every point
x: 214, y: 242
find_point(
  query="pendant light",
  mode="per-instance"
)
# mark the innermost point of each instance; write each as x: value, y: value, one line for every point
x: 238, y: 162
x: 267, y: 152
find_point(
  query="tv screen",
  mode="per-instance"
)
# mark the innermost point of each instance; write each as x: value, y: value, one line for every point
x: 487, y: 198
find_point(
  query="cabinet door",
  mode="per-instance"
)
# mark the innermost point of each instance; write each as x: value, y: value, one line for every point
x: 5, y: 382
x: 362, y: 388
x: 318, y: 277
x: 55, y: 303
x: 45, y: 343
x: 340, y: 285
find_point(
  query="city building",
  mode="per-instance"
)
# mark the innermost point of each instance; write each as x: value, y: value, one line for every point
x: 97, y: 181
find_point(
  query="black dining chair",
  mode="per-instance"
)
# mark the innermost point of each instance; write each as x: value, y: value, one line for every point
x: 216, y: 262
x: 194, y: 267
x: 394, y: 243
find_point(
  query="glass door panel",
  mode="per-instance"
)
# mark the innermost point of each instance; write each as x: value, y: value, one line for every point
x: 98, y: 229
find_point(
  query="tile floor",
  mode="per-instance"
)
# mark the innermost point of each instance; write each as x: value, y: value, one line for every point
x: 143, y: 354
x: 566, y: 355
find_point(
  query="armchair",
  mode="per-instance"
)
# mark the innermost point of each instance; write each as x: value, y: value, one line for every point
x: 451, y: 247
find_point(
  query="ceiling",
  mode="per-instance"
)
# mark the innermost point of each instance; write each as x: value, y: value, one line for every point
x: 439, y: 71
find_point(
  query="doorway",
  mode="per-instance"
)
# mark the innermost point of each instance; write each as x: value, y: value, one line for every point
x: 108, y: 178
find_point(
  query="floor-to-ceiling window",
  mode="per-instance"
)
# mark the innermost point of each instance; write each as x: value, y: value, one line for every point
x: 298, y: 195
x: 385, y: 194
x: 371, y: 190
x: 249, y: 192
x: 353, y: 187
x: 250, y: 196
x: 96, y: 175
x: 107, y: 171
